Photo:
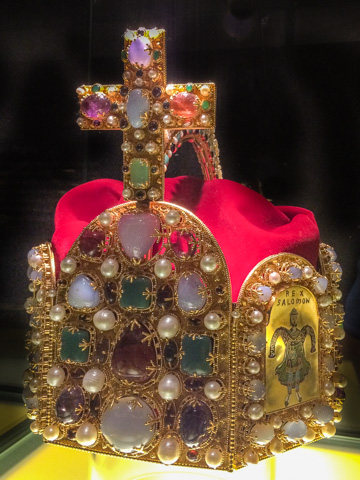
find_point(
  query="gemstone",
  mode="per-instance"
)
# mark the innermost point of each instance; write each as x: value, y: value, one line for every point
x: 166, y: 105
x: 95, y: 106
x: 138, y: 107
x: 139, y: 148
x: 263, y: 433
x: 205, y: 104
x: 191, y: 295
x: 70, y: 405
x: 170, y: 415
x: 196, y: 354
x: 156, y: 91
x: 171, y: 354
x: 136, y: 292
x: 156, y: 54
x: 295, y: 430
x: 165, y: 297
x: 124, y: 91
x: 75, y: 345
x: 137, y: 233
x: 184, y: 245
x: 257, y: 389
x: 91, y: 243
x: 257, y: 342
x: 132, y: 355
x: 195, y: 421
x: 295, y: 273
x: 194, y: 322
x: 140, y: 52
x: 110, y: 292
x: 185, y: 104
x: 96, y: 88
x: 320, y: 284
x: 194, y: 384
x: 101, y: 350
x: 264, y: 293
x: 82, y: 293
x: 125, y: 424
x: 193, y: 456
x: 123, y: 123
x: 139, y: 173
x: 323, y: 413
x: 153, y: 126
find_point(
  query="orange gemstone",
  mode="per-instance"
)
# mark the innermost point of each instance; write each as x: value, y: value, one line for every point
x: 185, y: 104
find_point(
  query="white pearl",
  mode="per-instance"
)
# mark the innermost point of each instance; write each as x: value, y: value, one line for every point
x: 167, y: 119
x: 328, y: 430
x: 169, y: 387
x: 309, y: 436
x: 253, y: 367
x: 34, y: 427
x: 162, y: 268
x: 104, y: 320
x: 204, y: 119
x: 94, y: 380
x: 168, y: 326
x: 305, y: 411
x: 55, y: 376
x: 139, y: 82
x: 172, y: 217
x: 157, y: 107
x: 30, y: 303
x: 212, y: 321
x: 153, y: 194
x: 235, y: 314
x: 255, y: 411
x: 275, y: 421
x: 213, y: 457
x: 122, y: 107
x: 208, y: 263
x: 109, y: 268
x: 212, y: 389
x: 256, y: 316
x: 105, y: 218
x: 34, y: 259
x: 112, y: 90
x: 80, y: 91
x: 139, y: 134
x: 205, y: 90
x: 51, y: 432
x: 308, y: 272
x: 170, y: 89
x: 34, y: 384
x: 57, y: 313
x: 328, y: 388
x: 32, y: 287
x: 112, y: 121
x: 126, y: 147
x: 263, y: 433
x: 276, y: 446
x: 36, y: 337
x: 152, y: 74
x: 274, y: 278
x: 68, y: 265
x: 86, y: 434
x: 337, y: 295
x: 151, y: 147
x: 40, y: 295
x: 52, y: 293
x: 126, y: 193
x: 81, y: 122
x: 169, y: 450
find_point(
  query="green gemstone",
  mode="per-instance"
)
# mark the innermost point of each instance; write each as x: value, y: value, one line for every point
x: 196, y: 352
x: 123, y: 54
x: 156, y: 54
x: 189, y: 87
x: 96, y: 88
x: 205, y: 104
x: 136, y: 292
x: 73, y: 345
x: 139, y: 173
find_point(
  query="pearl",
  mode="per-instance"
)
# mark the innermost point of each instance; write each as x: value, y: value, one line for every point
x: 40, y: 295
x: 208, y: 263
x: 205, y: 90
x: 257, y: 342
x: 212, y: 390
x: 305, y: 411
x: 276, y: 446
x: 255, y: 411
x: 337, y: 418
x: 170, y: 89
x: 157, y: 107
x: 168, y: 326
x: 29, y: 304
x: 263, y: 433
x: 151, y: 147
x: 80, y: 91
x: 104, y: 320
x: 250, y: 456
x: 152, y: 74
x: 81, y: 122
x: 172, y: 217
x: 93, y: 380
x: 34, y: 384
x: 126, y: 75
x: 34, y: 259
x: 307, y: 272
x: 212, y: 321
x: 253, y: 367
x: 339, y: 380
x: 112, y: 90
x: 32, y: 287
x: 169, y: 387
x: 68, y: 265
x: 86, y: 434
x: 139, y: 134
x: 51, y: 432
x: 325, y: 301
x: 55, y: 376
x: 139, y: 82
x: 57, y: 313
x: 204, y: 119
x: 256, y: 316
x: 34, y: 427
x: 169, y: 450
x: 274, y: 278
x: 257, y: 390
x: 235, y: 314
x: 213, y: 457
x: 52, y: 293
x: 167, y: 119
x: 309, y: 436
x: 337, y: 295
x: 122, y: 108
x: 275, y: 421
x: 105, y: 218
x: 112, y: 121
x: 109, y: 268
x: 153, y: 194
x: 36, y: 337
x: 126, y: 147
x: 162, y: 268
x: 126, y: 193
x: 339, y: 333
x: 328, y: 430
x: 328, y: 388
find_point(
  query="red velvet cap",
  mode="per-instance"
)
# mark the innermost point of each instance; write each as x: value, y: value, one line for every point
x: 247, y: 227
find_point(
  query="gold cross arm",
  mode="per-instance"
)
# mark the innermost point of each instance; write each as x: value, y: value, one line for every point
x: 150, y: 113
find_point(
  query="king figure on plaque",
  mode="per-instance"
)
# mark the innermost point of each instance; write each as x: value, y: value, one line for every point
x: 294, y: 366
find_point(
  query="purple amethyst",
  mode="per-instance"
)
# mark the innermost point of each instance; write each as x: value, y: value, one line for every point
x: 70, y: 405
x: 95, y: 106
x: 140, y: 52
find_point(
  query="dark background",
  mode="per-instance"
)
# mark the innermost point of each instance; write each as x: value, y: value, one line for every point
x: 288, y: 118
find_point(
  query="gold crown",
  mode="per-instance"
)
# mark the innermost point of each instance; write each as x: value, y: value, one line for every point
x: 136, y: 348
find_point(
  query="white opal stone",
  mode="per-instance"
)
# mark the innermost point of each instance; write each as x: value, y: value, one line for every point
x: 86, y: 434
x: 137, y: 107
x: 162, y: 268
x: 263, y: 433
x: 295, y: 430
x: 295, y: 273
x: 169, y: 450
x: 137, y: 233
x: 168, y: 326
x: 169, y: 387
x: 257, y: 390
x: 94, y: 380
x: 190, y: 297
x: 82, y: 293
x: 213, y: 457
x: 125, y: 425
x: 320, y: 284
x: 257, y: 341
x: 323, y: 413
x: 104, y: 320
x: 264, y: 293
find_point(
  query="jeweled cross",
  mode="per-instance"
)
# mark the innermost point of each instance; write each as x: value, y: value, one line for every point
x: 150, y: 113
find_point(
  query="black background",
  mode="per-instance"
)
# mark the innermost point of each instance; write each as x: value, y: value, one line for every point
x: 288, y: 119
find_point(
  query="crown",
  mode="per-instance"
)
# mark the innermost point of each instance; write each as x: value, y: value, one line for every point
x: 161, y: 332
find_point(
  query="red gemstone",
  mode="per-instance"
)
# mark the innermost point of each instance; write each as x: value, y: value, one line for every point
x: 184, y: 245
x: 92, y: 243
x: 185, y: 104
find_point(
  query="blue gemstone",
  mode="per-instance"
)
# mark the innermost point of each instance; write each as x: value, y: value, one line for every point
x: 138, y: 107
x: 82, y: 293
